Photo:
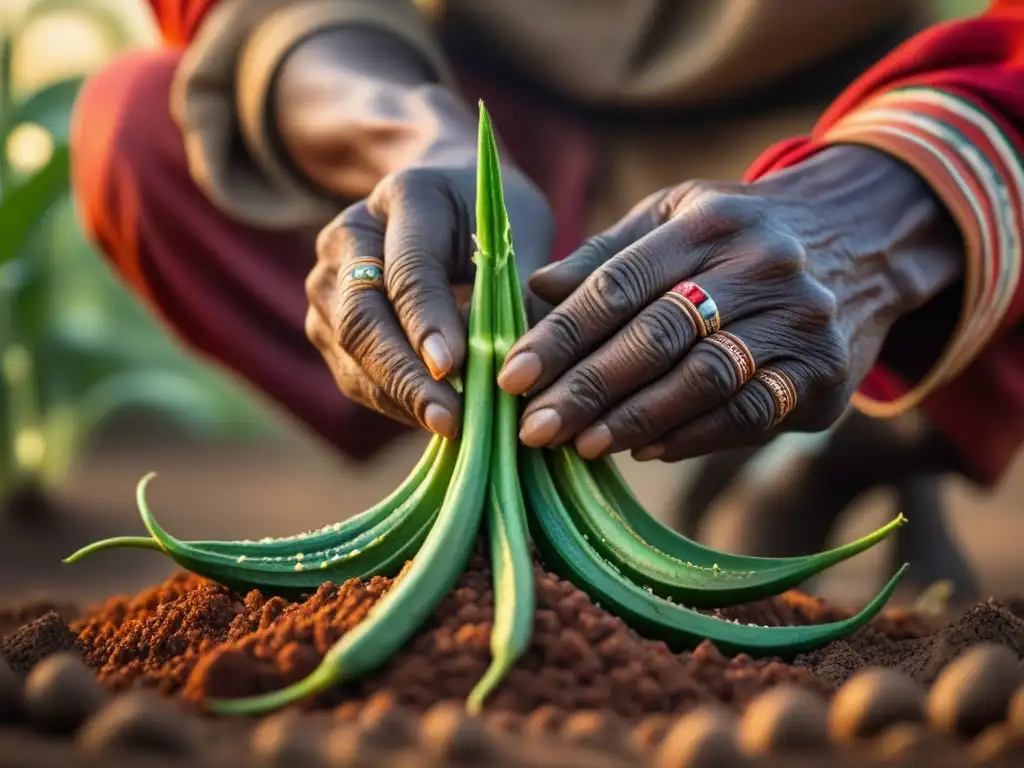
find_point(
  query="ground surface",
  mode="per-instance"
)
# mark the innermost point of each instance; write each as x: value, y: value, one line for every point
x: 243, y: 644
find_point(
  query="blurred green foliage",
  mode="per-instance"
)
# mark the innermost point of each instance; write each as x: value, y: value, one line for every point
x: 75, y: 347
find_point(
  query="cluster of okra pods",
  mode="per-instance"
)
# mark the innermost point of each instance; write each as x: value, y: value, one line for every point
x: 585, y: 522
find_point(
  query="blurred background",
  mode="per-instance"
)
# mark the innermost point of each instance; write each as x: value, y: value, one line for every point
x: 93, y: 395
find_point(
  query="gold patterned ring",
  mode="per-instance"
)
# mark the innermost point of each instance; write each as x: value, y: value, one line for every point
x: 738, y: 353
x: 783, y: 391
x: 366, y: 274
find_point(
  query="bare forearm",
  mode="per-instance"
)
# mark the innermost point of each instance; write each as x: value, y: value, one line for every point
x: 353, y: 104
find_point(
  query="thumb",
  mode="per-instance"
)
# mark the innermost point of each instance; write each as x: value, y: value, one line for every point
x: 556, y: 282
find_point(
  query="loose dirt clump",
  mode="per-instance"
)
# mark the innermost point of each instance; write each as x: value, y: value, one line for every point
x: 923, y: 657
x: 43, y: 637
x: 194, y: 638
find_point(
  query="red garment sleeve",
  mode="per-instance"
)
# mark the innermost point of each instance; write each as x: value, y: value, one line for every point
x: 178, y: 20
x: 950, y: 104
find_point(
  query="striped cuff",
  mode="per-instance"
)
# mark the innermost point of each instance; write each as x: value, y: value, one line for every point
x: 977, y: 172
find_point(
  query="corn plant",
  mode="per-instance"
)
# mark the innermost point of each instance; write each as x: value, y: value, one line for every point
x: 75, y: 348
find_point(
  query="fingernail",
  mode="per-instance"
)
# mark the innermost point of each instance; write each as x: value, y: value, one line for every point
x: 436, y: 355
x: 519, y: 373
x: 440, y: 421
x: 540, y: 428
x: 593, y: 441
x: 650, y: 453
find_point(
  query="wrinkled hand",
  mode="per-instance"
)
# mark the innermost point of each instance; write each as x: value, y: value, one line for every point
x: 391, y: 340
x: 809, y: 269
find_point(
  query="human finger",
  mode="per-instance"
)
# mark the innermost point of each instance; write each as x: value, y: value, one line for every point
x: 555, y: 282
x: 752, y: 417
x: 367, y: 329
x: 425, y: 227
x: 714, y: 370
x: 661, y: 336
x: 606, y: 301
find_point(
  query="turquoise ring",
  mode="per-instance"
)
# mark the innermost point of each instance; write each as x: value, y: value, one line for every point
x: 367, y: 273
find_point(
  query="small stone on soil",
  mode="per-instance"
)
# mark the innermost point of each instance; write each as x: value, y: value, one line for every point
x: 909, y: 740
x: 61, y: 693
x: 872, y: 701
x: 140, y: 721
x: 705, y: 738
x: 1015, y: 712
x: 284, y: 740
x: 974, y: 691
x: 786, y: 719
x: 450, y: 735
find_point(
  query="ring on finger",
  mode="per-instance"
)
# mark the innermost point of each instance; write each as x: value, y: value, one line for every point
x: 699, y: 305
x: 366, y: 273
x: 782, y: 389
x: 737, y: 351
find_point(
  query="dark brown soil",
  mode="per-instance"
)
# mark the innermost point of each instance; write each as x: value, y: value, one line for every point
x: 587, y: 678
x: 191, y: 637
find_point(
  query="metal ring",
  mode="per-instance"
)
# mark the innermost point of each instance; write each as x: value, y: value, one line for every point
x: 738, y: 353
x: 701, y: 308
x: 366, y: 273
x: 783, y: 391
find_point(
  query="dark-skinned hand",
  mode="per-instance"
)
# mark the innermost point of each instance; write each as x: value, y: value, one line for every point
x: 391, y: 347
x: 809, y: 268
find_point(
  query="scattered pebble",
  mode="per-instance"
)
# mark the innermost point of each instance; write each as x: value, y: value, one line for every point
x: 1015, y: 711
x: 61, y: 693
x: 346, y: 746
x: 974, y: 691
x: 139, y: 721
x: 594, y: 729
x: 872, y: 701
x: 283, y: 740
x: 448, y: 734
x: 995, y: 742
x: 786, y: 719
x: 381, y: 723
x: 909, y: 740
x: 705, y: 738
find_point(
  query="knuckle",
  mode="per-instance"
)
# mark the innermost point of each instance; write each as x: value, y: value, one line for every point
x: 820, y: 307
x: 355, y: 331
x: 564, y: 332
x: 407, y: 182
x: 785, y: 257
x: 587, y: 388
x: 711, y: 377
x: 315, y: 330
x: 617, y: 288
x: 398, y: 375
x: 708, y: 210
x: 632, y: 423
x: 751, y: 413
x: 657, y: 336
x: 837, y: 360
x: 317, y: 282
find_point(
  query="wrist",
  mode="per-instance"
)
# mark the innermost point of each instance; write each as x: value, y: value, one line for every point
x: 892, y: 230
x: 353, y: 104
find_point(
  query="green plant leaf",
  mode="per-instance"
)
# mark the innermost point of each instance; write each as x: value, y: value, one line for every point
x: 179, y: 397
x: 49, y: 108
x: 27, y: 202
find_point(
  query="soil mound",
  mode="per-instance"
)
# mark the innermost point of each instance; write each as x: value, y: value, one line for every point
x: 195, y: 638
